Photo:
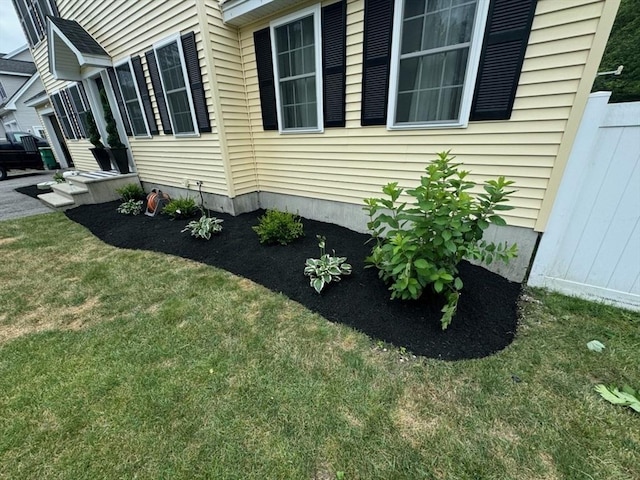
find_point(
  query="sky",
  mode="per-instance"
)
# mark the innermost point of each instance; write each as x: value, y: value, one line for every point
x: 11, y: 36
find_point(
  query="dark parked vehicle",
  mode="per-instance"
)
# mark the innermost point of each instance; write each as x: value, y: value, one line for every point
x: 19, y: 151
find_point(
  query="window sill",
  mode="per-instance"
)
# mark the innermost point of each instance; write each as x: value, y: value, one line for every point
x: 301, y: 131
x: 427, y: 126
x: 186, y: 135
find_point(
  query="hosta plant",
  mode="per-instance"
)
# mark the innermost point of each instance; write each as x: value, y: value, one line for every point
x: 131, y: 207
x: 278, y: 227
x: 419, y: 244
x: 204, y: 227
x: 326, y: 269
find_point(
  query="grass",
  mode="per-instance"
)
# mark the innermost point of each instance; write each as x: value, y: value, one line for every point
x: 124, y: 364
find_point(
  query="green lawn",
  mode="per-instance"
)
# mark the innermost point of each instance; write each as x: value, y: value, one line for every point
x: 122, y: 364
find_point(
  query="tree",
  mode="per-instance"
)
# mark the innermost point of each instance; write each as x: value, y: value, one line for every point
x: 622, y: 49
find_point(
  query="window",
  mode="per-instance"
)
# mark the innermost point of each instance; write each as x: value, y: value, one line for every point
x: 170, y: 59
x: 81, y: 109
x: 131, y: 98
x: 33, y: 15
x: 436, y: 50
x: 3, y: 93
x: 297, y: 61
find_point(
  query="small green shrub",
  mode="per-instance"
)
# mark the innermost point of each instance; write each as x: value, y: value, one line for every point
x: 131, y: 207
x: 421, y: 244
x: 131, y: 191
x: 326, y: 269
x: 58, y: 177
x: 204, y: 227
x: 278, y: 227
x: 181, y: 208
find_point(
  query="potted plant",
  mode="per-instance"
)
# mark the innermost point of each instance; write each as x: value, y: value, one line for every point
x: 116, y: 147
x: 99, y: 151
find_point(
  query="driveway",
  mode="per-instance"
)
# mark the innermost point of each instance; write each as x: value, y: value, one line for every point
x: 16, y: 205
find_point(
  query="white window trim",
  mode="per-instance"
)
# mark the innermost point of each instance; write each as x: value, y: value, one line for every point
x: 477, y: 36
x: 316, y: 12
x: 127, y: 61
x: 162, y: 43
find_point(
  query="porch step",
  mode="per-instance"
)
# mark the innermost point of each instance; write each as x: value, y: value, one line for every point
x: 69, y: 190
x: 56, y: 201
x: 87, y: 188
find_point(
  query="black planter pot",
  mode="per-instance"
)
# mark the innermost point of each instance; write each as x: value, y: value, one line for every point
x: 121, y: 159
x: 102, y: 157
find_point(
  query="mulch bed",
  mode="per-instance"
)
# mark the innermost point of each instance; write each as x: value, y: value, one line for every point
x: 32, y: 191
x: 485, y: 322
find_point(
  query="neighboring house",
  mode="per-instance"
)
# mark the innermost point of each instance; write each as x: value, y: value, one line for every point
x: 312, y: 106
x: 19, y: 80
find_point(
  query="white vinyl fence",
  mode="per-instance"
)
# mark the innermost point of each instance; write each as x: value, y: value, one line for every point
x: 591, y: 246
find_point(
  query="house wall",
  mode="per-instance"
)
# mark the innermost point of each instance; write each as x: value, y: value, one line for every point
x: 352, y: 163
x: 124, y: 28
x: 24, y: 55
x: 12, y: 83
x: 228, y: 65
x: 27, y: 117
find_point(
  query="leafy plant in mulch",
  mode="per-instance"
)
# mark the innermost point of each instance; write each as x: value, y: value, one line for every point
x: 182, y: 207
x: 131, y: 191
x: 278, y: 227
x: 204, y: 227
x: 58, y: 177
x: 326, y: 269
x: 420, y: 244
x: 131, y: 207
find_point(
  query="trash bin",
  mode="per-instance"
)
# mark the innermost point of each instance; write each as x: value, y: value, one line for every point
x: 47, y: 157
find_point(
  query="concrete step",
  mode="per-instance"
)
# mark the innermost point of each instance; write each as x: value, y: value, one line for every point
x: 56, y: 201
x: 69, y: 190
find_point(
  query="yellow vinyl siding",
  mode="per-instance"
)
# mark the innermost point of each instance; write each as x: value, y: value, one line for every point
x: 125, y: 28
x: 82, y: 156
x: 348, y: 164
x: 228, y: 65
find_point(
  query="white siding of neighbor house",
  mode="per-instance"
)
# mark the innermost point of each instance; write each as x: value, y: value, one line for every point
x: 126, y: 28
x: 27, y: 117
x: 349, y: 164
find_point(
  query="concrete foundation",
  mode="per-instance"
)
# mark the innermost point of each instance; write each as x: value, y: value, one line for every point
x: 353, y: 217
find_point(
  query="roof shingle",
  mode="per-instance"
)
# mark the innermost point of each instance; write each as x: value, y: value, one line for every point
x: 79, y: 37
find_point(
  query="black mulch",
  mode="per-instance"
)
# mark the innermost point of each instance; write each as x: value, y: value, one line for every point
x: 485, y: 322
x: 32, y: 191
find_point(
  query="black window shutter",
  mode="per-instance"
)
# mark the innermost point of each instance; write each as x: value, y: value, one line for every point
x: 190, y: 52
x: 56, y: 101
x: 157, y: 90
x: 54, y: 8
x: 25, y: 19
x: 505, y: 42
x: 72, y: 116
x: 266, y: 81
x: 116, y: 91
x: 334, y: 63
x: 378, y: 27
x: 136, y: 62
x: 76, y: 108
